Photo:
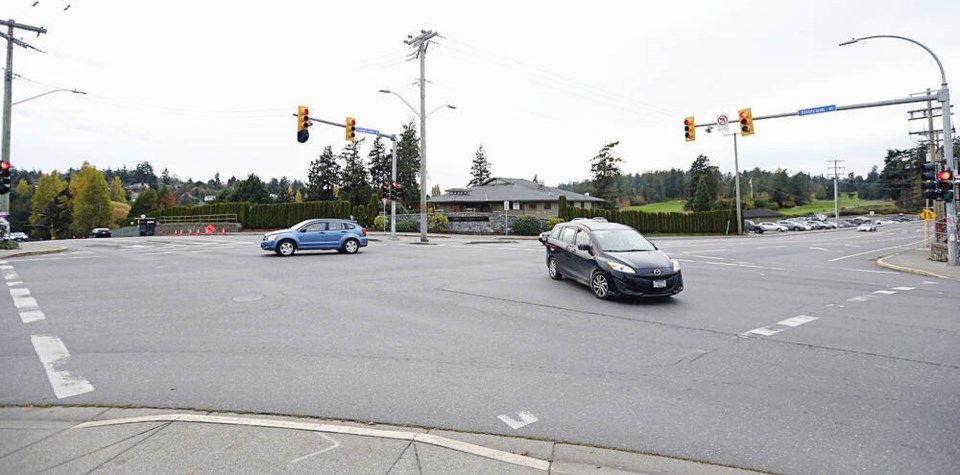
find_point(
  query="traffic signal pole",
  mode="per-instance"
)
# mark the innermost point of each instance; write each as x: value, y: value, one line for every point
x: 393, y: 167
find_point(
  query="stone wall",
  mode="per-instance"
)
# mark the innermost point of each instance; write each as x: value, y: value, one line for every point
x: 938, y: 252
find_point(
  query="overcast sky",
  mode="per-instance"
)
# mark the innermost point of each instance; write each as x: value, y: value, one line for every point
x: 200, y: 87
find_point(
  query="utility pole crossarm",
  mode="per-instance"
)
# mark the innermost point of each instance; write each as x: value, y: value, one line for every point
x: 36, y: 29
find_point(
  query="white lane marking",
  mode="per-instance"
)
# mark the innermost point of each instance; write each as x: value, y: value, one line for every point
x: 707, y: 251
x: 927, y: 282
x: 54, y: 355
x: 22, y: 299
x: 708, y: 257
x: 870, y: 271
x: 335, y: 445
x: 797, y: 321
x: 819, y: 249
x: 4, y: 262
x: 770, y: 247
x: 904, y: 288
x: 31, y: 316
x: 763, y: 331
x: 457, y: 445
x: 15, y: 282
x: 6, y: 267
x: 884, y: 292
x: 8, y: 275
x: 852, y: 245
x: 526, y: 419
x: 862, y: 298
x: 876, y: 250
x: 733, y: 265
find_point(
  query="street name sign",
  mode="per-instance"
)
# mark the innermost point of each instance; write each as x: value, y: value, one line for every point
x: 366, y: 131
x: 817, y: 110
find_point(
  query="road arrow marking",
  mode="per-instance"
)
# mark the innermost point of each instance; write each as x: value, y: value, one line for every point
x: 526, y: 419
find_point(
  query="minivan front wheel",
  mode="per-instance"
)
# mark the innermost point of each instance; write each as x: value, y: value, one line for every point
x: 553, y: 270
x: 600, y: 284
x: 286, y: 248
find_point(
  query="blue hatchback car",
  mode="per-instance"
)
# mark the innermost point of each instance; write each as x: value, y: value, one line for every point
x: 343, y: 235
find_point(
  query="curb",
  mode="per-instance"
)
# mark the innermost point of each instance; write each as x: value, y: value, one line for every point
x: 467, y: 448
x: 32, y: 253
x: 883, y: 263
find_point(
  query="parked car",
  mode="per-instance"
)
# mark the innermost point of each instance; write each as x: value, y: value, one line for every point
x: 828, y: 224
x: 885, y: 221
x: 768, y: 226
x: 612, y: 259
x: 793, y: 226
x: 100, y: 233
x: 751, y: 227
x: 867, y: 227
x: 19, y: 237
x: 341, y: 234
x: 846, y: 223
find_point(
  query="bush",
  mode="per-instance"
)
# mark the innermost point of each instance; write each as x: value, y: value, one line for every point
x: 9, y: 245
x: 526, y: 226
x: 380, y: 223
x: 407, y: 226
x: 553, y: 222
x: 438, y: 223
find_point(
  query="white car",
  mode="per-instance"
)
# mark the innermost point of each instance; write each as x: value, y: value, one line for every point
x: 867, y: 227
x: 768, y: 226
x: 885, y: 221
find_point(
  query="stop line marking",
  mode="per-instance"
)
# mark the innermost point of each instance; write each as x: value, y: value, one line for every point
x: 526, y: 419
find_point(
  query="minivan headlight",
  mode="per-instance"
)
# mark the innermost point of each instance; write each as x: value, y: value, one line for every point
x: 620, y: 268
x: 676, y: 265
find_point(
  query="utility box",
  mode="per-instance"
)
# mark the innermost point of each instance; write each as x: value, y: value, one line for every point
x: 148, y: 226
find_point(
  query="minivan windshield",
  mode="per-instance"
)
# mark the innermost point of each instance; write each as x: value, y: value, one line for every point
x: 622, y: 240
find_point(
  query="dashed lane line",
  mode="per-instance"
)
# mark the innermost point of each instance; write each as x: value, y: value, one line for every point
x: 54, y: 356
x: 771, y: 330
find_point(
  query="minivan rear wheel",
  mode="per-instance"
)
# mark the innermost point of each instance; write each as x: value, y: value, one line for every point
x: 553, y: 270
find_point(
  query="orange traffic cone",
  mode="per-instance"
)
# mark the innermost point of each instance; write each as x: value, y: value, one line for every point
x: 189, y: 232
x: 223, y: 232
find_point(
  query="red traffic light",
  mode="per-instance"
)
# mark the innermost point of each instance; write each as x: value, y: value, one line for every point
x: 396, y: 184
x: 946, y: 175
x: 5, y: 166
x: 686, y: 121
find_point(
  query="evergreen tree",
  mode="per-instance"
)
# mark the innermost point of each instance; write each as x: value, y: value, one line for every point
x: 701, y: 198
x: 480, y: 171
x: 323, y: 175
x: 251, y: 190
x: 701, y: 168
x: 605, y: 168
x: 57, y: 216
x: 285, y: 191
x: 356, y: 186
x: 408, y: 162
x: 145, y: 202
x: 20, y: 199
x: 379, y: 162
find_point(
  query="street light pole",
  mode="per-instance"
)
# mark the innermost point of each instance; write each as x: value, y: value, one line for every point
x: 944, y: 97
x: 48, y: 92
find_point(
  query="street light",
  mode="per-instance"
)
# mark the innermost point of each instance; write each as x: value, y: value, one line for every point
x: 944, y: 97
x: 423, y: 158
x: 48, y: 92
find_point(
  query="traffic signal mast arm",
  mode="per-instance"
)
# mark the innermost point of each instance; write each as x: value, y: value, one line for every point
x: 343, y: 125
x: 865, y: 105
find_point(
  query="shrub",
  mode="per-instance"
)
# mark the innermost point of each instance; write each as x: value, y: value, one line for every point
x: 526, y: 226
x: 407, y: 226
x: 438, y: 223
x: 380, y: 223
x: 553, y: 222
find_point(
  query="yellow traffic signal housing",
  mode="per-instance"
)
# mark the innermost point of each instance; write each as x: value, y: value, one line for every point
x: 349, y: 133
x: 690, y: 129
x: 303, y: 121
x: 746, y: 122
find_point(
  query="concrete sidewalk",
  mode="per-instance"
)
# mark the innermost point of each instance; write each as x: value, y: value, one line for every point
x: 105, y: 440
x: 917, y: 261
x: 31, y: 248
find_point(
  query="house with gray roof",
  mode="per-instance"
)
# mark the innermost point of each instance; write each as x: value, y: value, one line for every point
x: 525, y: 197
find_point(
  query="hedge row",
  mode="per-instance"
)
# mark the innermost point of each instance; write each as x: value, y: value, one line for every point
x: 268, y: 216
x: 707, y: 222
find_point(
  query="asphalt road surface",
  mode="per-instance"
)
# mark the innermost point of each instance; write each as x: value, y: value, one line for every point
x: 786, y: 352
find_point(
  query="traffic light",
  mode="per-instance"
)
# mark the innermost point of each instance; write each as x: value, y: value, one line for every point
x: 385, y: 189
x: 350, y: 133
x: 690, y: 129
x: 945, y: 184
x: 5, y: 186
x: 396, y: 190
x: 929, y: 182
x: 746, y: 122
x: 303, y: 121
